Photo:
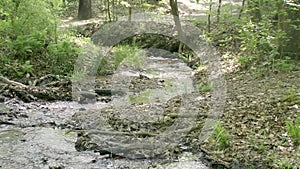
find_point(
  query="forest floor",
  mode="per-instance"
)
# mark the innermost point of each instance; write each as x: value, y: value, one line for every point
x: 255, y: 115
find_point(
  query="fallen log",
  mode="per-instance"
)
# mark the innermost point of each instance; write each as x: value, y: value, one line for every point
x: 10, y: 82
x: 29, y: 93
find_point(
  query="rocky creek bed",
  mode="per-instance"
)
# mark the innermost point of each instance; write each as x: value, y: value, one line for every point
x: 118, y: 131
x: 156, y: 123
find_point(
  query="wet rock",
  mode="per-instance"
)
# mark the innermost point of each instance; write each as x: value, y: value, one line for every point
x: 2, y: 99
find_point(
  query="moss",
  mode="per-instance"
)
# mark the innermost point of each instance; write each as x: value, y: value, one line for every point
x: 143, y: 97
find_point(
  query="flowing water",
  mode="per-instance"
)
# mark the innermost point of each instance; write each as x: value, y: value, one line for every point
x: 44, y: 134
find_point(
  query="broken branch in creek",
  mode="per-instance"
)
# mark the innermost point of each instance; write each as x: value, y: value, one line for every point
x: 28, y: 93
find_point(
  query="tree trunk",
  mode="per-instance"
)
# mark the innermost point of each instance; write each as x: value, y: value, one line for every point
x: 108, y: 11
x: 242, y: 9
x: 85, y: 9
x: 175, y: 13
x: 280, y: 22
x: 114, y: 15
x: 219, y: 11
x: 129, y: 13
x: 209, y: 16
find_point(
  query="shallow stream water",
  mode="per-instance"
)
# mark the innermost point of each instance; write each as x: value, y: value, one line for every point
x: 41, y: 135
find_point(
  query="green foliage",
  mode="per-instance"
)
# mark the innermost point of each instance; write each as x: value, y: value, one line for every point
x: 258, y: 34
x: 143, y: 97
x: 29, y: 39
x: 15, y: 67
x: 276, y: 65
x: 284, y: 165
x: 285, y: 65
x: 204, y: 87
x: 293, y: 129
x: 27, y: 67
x: 26, y: 17
x: 40, y: 53
x: 259, y: 43
x: 130, y: 56
x: 123, y: 51
x: 63, y: 55
x: 135, y: 61
x: 292, y: 97
x: 77, y: 76
x: 292, y: 90
x: 220, y: 135
x: 26, y: 46
x: 259, y: 143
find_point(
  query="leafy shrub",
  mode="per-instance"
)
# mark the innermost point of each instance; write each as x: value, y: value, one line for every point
x: 29, y: 39
x: 285, y: 64
x: 15, y: 68
x: 63, y: 55
x: 259, y: 43
x: 28, y: 16
x: 26, y: 46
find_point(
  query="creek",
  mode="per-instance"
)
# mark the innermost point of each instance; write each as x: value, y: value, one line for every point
x: 107, y: 134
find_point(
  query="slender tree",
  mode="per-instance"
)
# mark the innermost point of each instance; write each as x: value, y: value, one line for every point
x: 280, y: 22
x: 175, y: 13
x: 209, y: 16
x: 108, y: 11
x: 242, y: 8
x: 219, y: 10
